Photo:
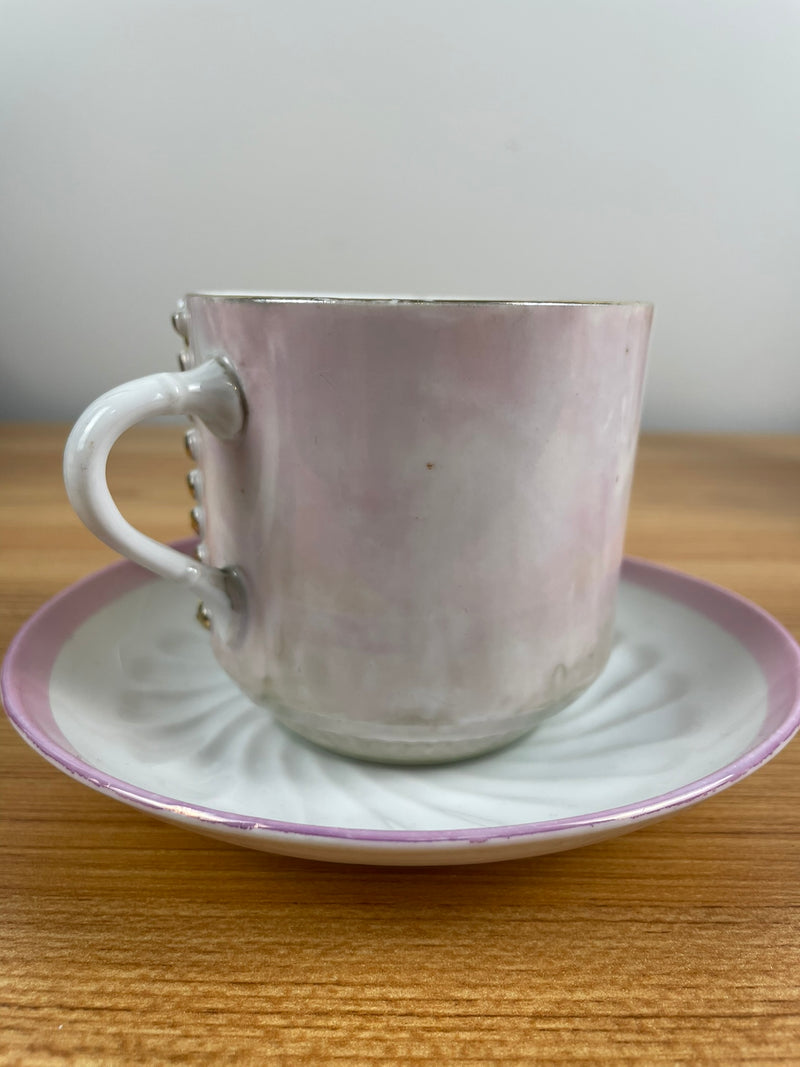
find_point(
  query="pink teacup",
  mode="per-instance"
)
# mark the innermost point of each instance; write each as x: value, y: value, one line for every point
x: 411, y: 512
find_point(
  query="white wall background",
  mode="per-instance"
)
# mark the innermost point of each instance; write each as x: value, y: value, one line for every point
x: 539, y: 149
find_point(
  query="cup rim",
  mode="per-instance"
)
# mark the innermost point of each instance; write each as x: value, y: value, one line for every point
x: 336, y: 298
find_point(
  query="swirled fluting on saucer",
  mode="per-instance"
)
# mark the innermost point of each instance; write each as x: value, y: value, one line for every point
x: 157, y: 711
x: 107, y: 686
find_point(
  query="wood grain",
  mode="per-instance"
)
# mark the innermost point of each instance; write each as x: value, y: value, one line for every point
x: 129, y: 941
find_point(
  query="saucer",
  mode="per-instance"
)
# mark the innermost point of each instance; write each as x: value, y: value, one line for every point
x: 114, y: 683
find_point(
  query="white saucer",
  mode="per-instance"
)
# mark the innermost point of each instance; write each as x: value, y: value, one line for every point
x: 114, y: 682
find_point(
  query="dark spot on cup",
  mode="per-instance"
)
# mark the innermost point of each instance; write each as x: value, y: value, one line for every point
x: 430, y: 466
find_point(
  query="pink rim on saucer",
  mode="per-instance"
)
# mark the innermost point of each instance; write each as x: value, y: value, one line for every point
x: 26, y: 679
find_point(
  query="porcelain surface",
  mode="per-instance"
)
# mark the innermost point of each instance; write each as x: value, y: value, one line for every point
x: 114, y: 683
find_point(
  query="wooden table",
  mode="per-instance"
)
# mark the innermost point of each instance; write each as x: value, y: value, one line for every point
x: 129, y: 941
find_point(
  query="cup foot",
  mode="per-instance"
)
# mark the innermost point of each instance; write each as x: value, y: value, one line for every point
x: 398, y: 749
x: 409, y: 753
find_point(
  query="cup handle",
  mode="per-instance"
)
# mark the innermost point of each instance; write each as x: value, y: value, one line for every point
x: 213, y: 394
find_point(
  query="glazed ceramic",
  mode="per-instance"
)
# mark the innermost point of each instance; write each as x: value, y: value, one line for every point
x: 412, y: 512
x: 113, y: 684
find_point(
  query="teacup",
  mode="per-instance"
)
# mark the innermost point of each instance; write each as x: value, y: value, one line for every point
x: 411, y: 512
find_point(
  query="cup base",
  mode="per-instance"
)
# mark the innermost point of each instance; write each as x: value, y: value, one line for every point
x: 428, y: 741
x: 383, y: 748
